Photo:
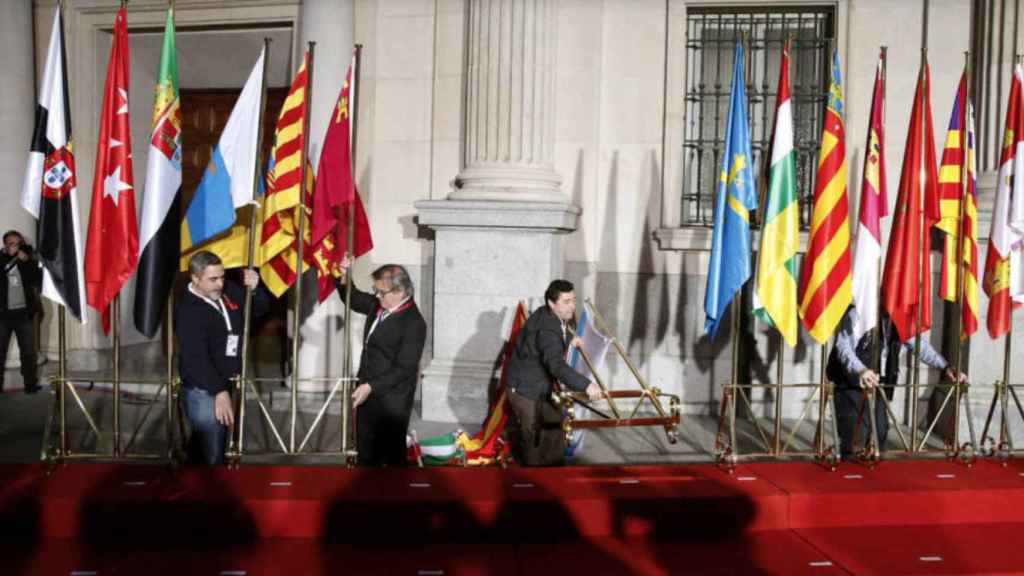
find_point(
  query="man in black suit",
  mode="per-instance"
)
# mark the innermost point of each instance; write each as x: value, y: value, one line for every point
x: 537, y: 361
x: 393, y: 339
x: 208, y: 322
x: 19, y: 304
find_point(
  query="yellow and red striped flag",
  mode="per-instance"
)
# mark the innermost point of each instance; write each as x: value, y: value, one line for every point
x: 281, y: 204
x: 826, y: 282
x: 959, y: 152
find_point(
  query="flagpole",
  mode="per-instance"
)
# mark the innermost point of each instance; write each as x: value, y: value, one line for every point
x: 115, y: 320
x: 170, y: 332
x: 961, y: 265
x: 736, y: 309
x: 62, y: 373
x: 922, y: 238
x: 1007, y: 386
x: 779, y: 373
x: 238, y: 439
x: 876, y: 347
x: 170, y: 375
x: 346, y: 397
x: 303, y: 189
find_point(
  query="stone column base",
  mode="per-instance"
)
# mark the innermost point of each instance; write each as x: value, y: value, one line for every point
x: 488, y: 257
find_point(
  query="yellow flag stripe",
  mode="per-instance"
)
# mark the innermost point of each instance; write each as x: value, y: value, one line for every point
x: 833, y: 313
x: 826, y: 261
x: 826, y: 203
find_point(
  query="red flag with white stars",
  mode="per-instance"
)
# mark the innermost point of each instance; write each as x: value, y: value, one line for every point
x: 112, y: 247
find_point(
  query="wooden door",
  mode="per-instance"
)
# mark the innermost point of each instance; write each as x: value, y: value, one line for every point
x: 203, y: 116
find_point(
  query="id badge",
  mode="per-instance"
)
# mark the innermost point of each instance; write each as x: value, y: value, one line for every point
x: 232, y: 346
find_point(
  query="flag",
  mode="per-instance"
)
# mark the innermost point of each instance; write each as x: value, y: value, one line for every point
x: 49, y: 191
x: 486, y: 446
x: 959, y: 152
x: 281, y: 205
x: 903, y: 289
x: 826, y: 281
x: 112, y: 245
x: 595, y: 345
x: 780, y: 233
x: 729, y: 267
x: 440, y: 450
x: 335, y: 194
x: 1004, y: 263
x: 160, y: 232
x: 874, y: 205
x: 227, y: 183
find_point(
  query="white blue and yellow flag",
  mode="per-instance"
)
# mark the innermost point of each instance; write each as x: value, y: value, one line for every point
x: 736, y: 196
x: 227, y: 183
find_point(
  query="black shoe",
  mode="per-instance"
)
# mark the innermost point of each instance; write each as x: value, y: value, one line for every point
x: 32, y: 389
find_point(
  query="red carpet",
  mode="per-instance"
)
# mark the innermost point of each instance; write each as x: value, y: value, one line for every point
x: 780, y: 518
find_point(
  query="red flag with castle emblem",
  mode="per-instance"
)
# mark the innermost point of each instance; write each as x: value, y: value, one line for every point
x: 112, y: 247
x: 336, y: 195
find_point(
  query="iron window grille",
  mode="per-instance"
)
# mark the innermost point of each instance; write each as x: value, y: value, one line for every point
x: 711, y: 37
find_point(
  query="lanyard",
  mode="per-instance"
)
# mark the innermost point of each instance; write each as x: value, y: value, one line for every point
x: 219, y: 305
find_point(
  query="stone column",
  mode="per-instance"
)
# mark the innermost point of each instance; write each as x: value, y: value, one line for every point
x: 510, y: 103
x: 16, y: 115
x: 329, y: 23
x: 498, y: 235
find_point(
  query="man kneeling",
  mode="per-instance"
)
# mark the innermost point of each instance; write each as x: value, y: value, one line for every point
x: 539, y: 359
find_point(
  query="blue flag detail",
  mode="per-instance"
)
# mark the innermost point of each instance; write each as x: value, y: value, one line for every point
x: 212, y: 210
x: 735, y: 197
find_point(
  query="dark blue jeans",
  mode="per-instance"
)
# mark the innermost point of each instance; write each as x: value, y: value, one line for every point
x: 208, y: 436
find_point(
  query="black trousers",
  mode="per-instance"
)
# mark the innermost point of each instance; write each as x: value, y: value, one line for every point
x: 381, y: 426
x: 848, y: 409
x: 22, y: 324
x: 538, y: 438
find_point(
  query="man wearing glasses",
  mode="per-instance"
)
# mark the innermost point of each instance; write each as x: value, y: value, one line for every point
x: 393, y: 339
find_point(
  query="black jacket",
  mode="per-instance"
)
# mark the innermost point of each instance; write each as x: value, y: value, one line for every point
x: 539, y: 357
x: 203, y: 335
x: 31, y: 278
x: 390, y: 361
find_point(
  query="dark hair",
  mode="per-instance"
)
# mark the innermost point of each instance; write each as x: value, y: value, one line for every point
x: 556, y: 289
x: 201, y: 260
x: 397, y: 277
x: 10, y: 233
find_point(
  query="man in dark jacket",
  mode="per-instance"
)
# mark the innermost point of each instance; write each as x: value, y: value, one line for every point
x: 393, y: 340
x: 537, y: 361
x: 19, y: 304
x: 849, y: 369
x: 209, y: 322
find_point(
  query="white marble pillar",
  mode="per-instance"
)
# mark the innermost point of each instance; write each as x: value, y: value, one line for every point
x: 510, y: 103
x: 498, y: 235
x: 329, y: 23
x: 16, y: 116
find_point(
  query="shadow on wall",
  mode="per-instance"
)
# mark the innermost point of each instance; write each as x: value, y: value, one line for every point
x: 646, y: 290
x: 483, y: 349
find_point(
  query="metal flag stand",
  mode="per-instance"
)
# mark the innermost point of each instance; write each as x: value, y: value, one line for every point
x: 645, y: 396
x: 64, y: 384
x: 959, y: 391
x: 293, y: 445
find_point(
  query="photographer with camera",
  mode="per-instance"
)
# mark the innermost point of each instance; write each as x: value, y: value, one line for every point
x: 19, y: 304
